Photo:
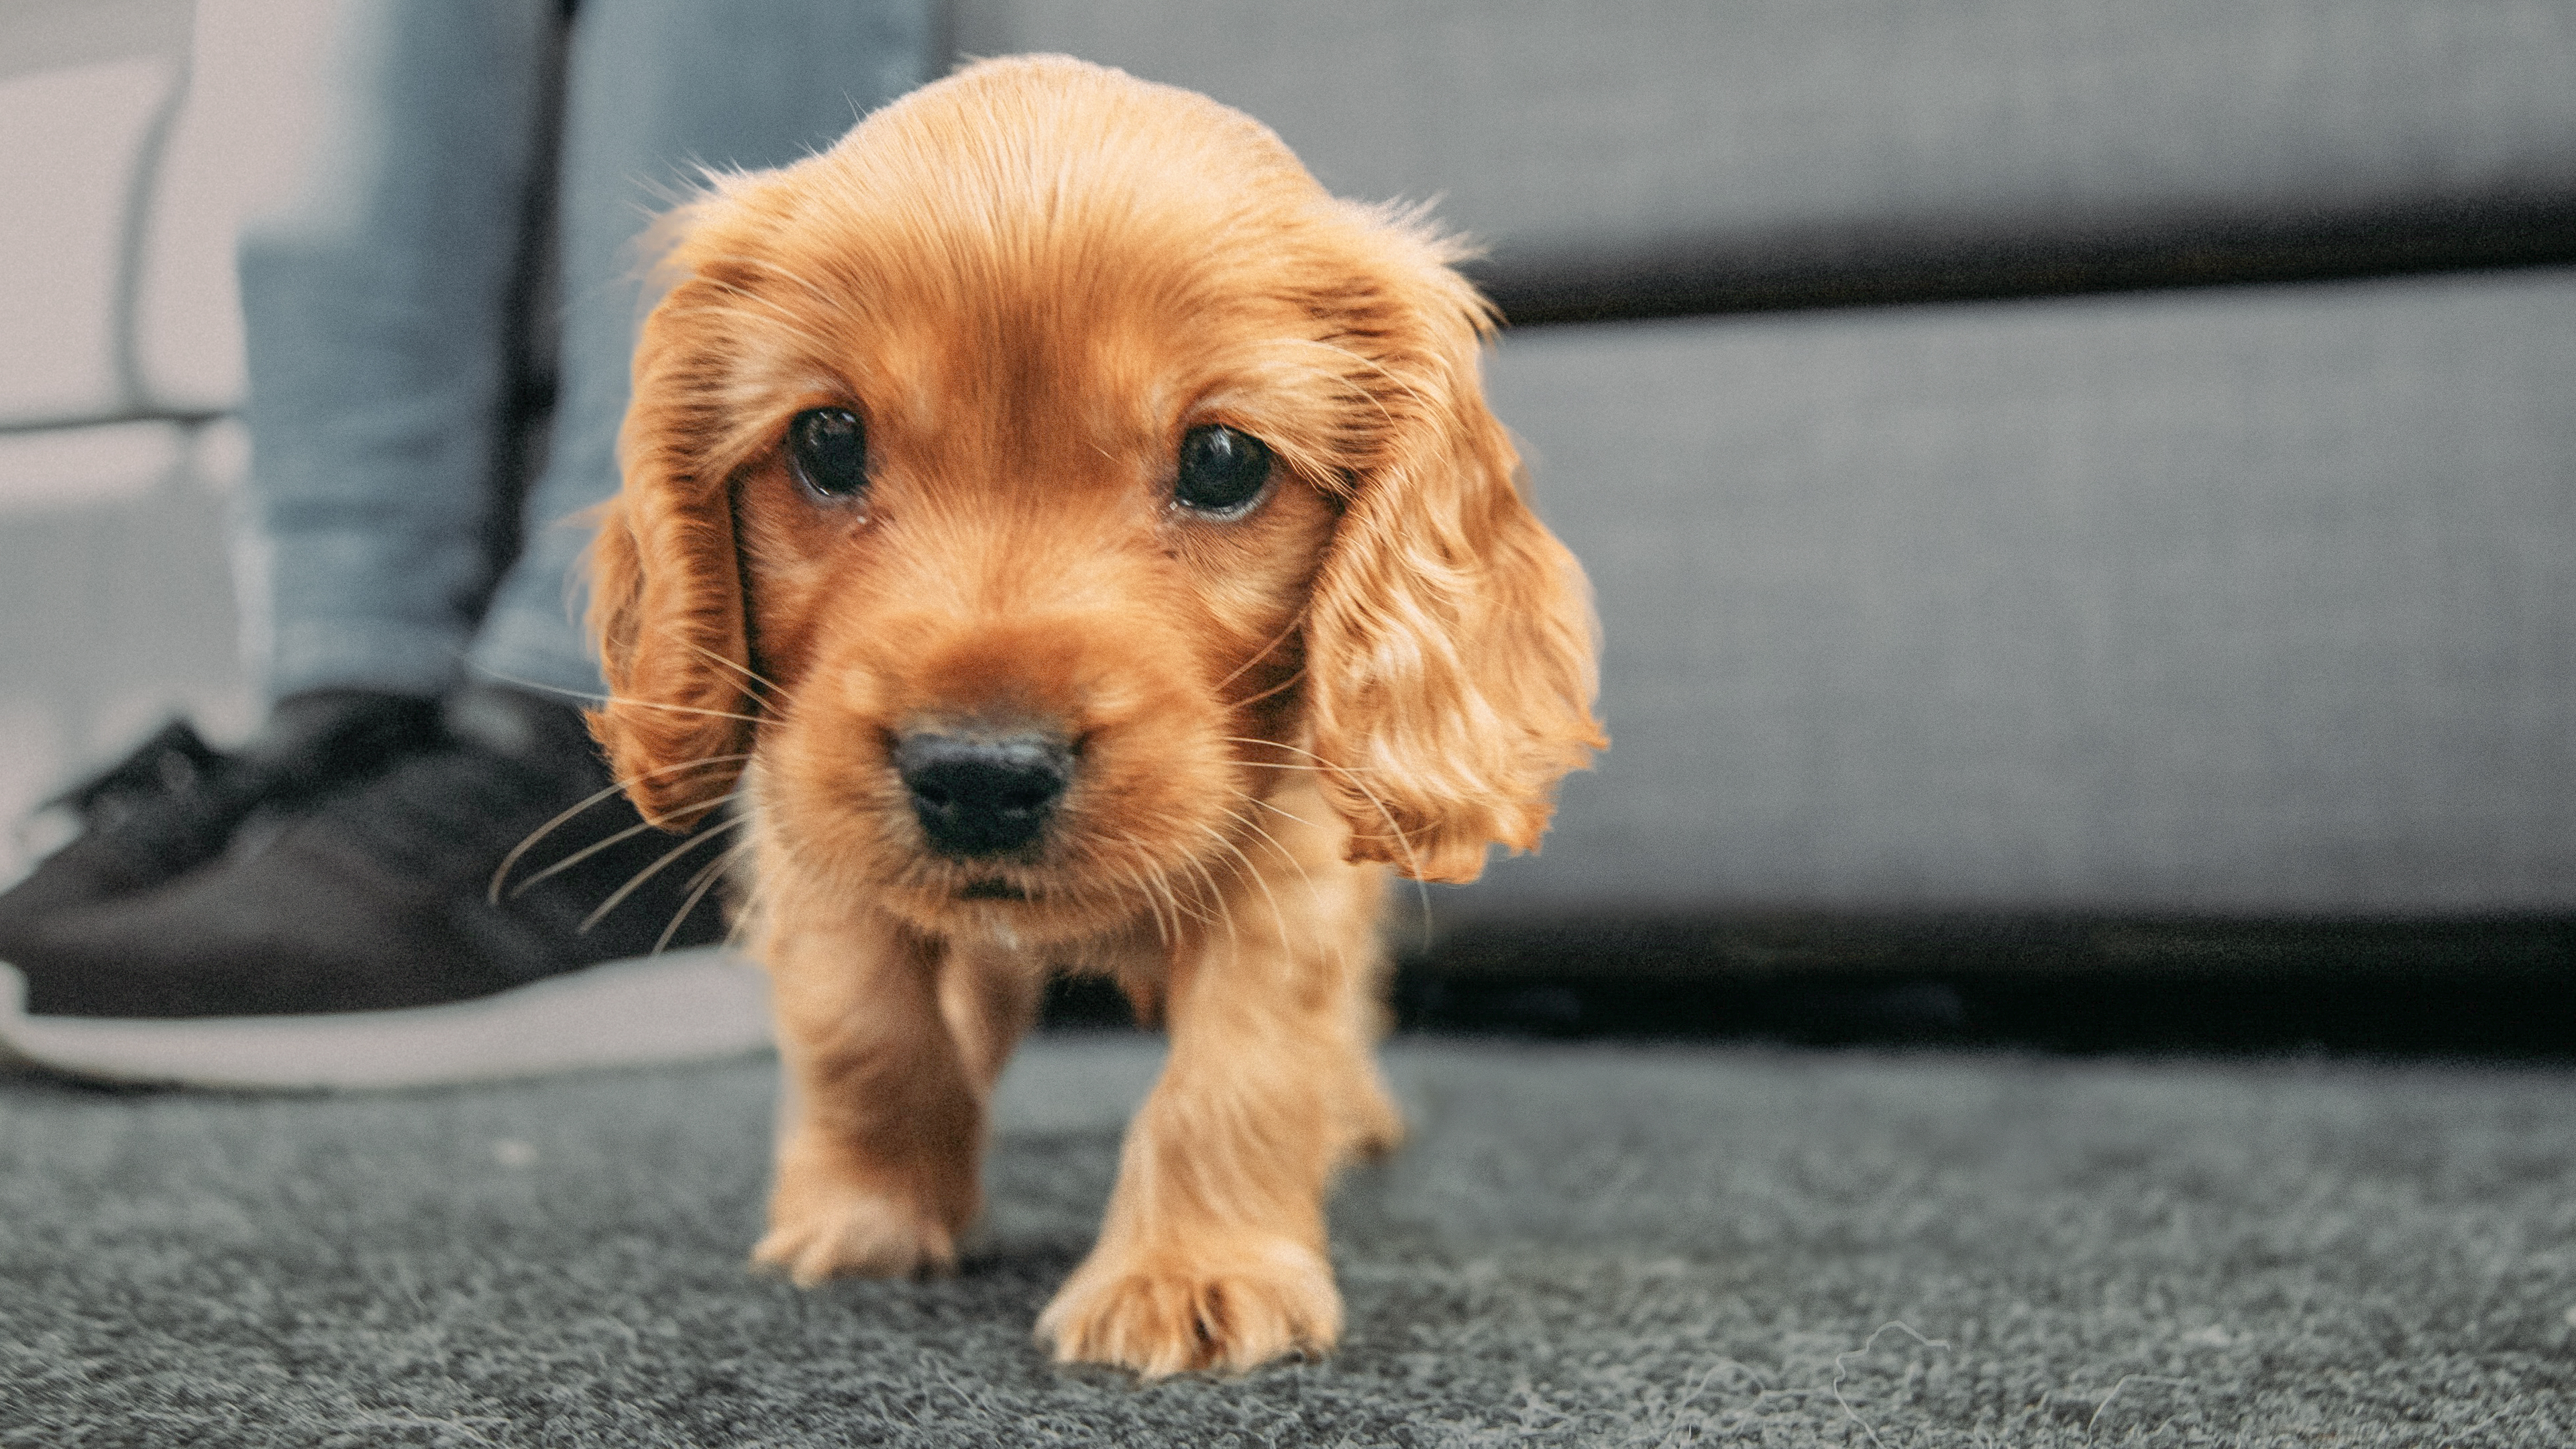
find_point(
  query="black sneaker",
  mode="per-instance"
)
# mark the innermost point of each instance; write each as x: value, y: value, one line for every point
x: 174, y: 803
x: 375, y: 939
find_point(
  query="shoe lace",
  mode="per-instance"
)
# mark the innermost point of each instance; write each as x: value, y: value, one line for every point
x: 172, y: 762
x: 162, y: 804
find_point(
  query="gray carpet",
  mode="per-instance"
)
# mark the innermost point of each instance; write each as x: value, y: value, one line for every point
x: 1583, y: 1245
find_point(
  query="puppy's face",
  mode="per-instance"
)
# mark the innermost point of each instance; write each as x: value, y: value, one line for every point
x: 1031, y: 482
x: 1024, y: 580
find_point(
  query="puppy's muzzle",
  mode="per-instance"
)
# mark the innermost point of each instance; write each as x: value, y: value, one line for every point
x: 978, y: 795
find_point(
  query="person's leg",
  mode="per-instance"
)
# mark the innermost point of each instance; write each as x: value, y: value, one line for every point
x: 447, y: 893
x: 381, y: 304
x: 378, y: 297
x: 657, y: 91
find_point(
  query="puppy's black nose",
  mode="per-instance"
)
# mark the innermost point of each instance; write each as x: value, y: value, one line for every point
x: 981, y: 795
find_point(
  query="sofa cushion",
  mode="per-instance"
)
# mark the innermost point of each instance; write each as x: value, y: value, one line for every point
x: 2229, y: 601
x: 1675, y: 155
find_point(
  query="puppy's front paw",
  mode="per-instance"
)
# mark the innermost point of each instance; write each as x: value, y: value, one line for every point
x: 1228, y: 1306
x: 818, y: 1232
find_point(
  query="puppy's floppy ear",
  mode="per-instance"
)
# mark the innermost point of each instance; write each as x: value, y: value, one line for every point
x: 1450, y: 639
x: 666, y: 605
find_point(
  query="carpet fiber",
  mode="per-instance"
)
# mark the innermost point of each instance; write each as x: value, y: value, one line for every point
x: 1599, y: 1244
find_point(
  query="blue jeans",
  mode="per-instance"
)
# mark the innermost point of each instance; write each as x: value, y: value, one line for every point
x: 395, y: 535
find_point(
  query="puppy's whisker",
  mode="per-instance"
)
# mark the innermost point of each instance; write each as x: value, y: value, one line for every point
x: 578, y: 856
x: 1162, y: 879
x: 502, y: 873
x: 1412, y: 859
x: 1278, y: 917
x: 1282, y: 851
x: 717, y: 864
x: 497, y: 677
x: 1326, y: 766
x: 1216, y: 897
x: 1314, y: 891
x: 1254, y: 826
x: 1153, y: 907
x: 595, y: 847
x: 1275, y: 641
x: 1129, y: 880
x: 1158, y: 879
x: 1314, y: 894
x: 618, y: 897
x: 752, y: 676
x: 699, y: 884
x: 1154, y: 903
x: 629, y: 702
x: 1287, y: 683
x: 1276, y: 810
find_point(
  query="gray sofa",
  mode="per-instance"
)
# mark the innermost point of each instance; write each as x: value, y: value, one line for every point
x: 2088, y: 483
x: 2070, y: 482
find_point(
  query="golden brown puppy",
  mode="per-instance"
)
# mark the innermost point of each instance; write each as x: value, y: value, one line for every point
x: 1088, y: 544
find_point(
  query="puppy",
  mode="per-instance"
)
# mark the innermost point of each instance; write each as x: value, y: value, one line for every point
x: 1079, y: 543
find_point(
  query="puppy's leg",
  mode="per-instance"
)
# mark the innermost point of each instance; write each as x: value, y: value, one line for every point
x: 882, y: 1125
x: 1212, y: 1255
x: 989, y: 998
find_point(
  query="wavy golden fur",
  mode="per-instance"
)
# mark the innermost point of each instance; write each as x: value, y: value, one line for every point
x: 1030, y: 282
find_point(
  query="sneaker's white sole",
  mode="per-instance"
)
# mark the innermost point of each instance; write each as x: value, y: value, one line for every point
x: 680, y: 1006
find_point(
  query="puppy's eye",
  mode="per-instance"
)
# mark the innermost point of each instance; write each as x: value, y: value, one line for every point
x: 827, y: 449
x: 1223, y: 472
